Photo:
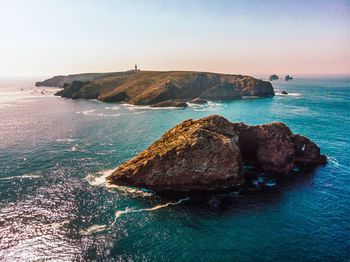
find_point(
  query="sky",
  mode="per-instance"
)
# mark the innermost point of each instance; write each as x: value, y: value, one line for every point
x: 45, y: 38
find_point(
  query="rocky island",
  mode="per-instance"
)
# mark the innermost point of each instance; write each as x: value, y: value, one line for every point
x: 273, y: 77
x: 159, y: 88
x: 209, y: 154
x: 288, y: 77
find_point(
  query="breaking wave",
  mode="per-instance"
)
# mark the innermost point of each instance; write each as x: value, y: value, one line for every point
x: 210, y: 106
x: 99, y: 179
x: 94, y: 112
x: 289, y: 94
x: 65, y: 140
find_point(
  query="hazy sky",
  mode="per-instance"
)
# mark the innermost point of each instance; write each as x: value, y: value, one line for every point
x: 48, y: 37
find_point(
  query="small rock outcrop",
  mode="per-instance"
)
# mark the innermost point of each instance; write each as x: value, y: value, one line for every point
x: 284, y: 92
x: 208, y: 154
x: 199, y: 100
x: 288, y: 77
x: 273, y: 77
x: 171, y: 103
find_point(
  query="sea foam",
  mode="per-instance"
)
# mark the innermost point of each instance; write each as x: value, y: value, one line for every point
x: 93, y: 229
x: 119, y: 213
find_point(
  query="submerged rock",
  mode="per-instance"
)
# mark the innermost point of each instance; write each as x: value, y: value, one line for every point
x: 208, y: 154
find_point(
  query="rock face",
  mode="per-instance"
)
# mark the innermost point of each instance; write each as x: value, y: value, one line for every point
x: 194, y: 155
x: 208, y: 154
x: 273, y: 148
x: 152, y: 87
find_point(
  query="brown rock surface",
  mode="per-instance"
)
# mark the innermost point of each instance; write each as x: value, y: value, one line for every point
x: 194, y: 155
x: 207, y: 154
x: 274, y: 148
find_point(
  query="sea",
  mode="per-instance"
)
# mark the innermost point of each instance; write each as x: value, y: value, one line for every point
x: 55, y: 154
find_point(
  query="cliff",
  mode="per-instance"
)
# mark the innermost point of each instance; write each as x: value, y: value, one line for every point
x: 208, y: 154
x: 152, y: 87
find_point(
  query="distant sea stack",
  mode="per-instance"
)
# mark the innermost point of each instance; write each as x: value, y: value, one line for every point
x: 153, y: 87
x: 273, y: 77
x: 208, y: 155
x: 288, y: 77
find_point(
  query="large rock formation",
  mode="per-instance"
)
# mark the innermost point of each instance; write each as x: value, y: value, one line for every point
x: 194, y: 155
x: 151, y: 87
x: 208, y: 154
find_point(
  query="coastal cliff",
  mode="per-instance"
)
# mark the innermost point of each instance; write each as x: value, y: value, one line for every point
x: 209, y: 154
x: 152, y: 87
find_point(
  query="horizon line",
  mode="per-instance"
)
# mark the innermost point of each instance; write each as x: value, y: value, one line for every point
x: 177, y: 70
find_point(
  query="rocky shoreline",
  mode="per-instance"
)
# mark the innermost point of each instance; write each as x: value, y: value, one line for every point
x: 159, y: 89
x: 211, y: 154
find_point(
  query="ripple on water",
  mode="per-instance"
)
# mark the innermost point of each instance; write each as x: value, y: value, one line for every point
x: 35, y: 228
x: 32, y: 175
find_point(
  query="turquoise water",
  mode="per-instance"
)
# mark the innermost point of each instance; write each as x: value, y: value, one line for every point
x: 54, y: 153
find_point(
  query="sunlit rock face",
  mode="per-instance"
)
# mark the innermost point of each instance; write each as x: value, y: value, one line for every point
x: 194, y: 155
x: 208, y: 154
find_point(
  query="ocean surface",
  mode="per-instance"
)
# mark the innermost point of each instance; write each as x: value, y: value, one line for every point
x: 56, y: 152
